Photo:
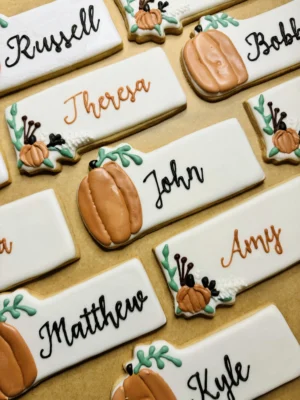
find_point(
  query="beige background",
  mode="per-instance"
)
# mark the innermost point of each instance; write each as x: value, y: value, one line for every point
x: 94, y: 378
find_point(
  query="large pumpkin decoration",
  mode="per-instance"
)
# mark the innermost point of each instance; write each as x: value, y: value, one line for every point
x: 32, y: 155
x: 286, y: 141
x: 213, y: 62
x: 147, y: 20
x: 17, y: 366
x: 109, y: 204
x: 146, y: 385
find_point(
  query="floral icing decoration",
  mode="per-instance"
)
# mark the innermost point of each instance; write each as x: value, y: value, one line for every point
x: 3, y: 23
x: 34, y: 152
x: 224, y: 20
x: 158, y: 355
x: 148, y: 18
x: 286, y: 140
x: 15, y: 309
x: 123, y: 153
x: 193, y: 297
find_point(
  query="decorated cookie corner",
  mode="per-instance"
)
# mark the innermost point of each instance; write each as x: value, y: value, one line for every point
x: 226, y: 55
x: 241, y: 362
x: 4, y: 173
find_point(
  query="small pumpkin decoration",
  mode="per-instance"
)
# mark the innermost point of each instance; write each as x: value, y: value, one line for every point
x: 146, y: 385
x: 33, y: 155
x: 147, y: 20
x: 286, y: 141
x: 109, y: 204
x: 213, y: 62
x: 17, y: 366
x: 193, y: 297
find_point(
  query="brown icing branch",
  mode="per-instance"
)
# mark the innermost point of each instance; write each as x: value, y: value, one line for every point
x: 29, y: 137
x: 277, y: 124
x: 181, y: 268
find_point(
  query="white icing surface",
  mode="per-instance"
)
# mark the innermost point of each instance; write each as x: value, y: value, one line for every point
x: 118, y: 284
x: 165, y: 95
x: 267, y: 24
x: 41, y: 240
x: 263, y: 341
x: 203, y: 149
x: 206, y: 244
x: 285, y: 97
x: 4, y: 175
x: 179, y: 9
x: 47, y: 20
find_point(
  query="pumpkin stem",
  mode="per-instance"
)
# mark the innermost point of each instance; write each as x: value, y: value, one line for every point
x: 129, y: 369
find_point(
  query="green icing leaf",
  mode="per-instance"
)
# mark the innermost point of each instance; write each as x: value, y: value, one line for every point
x: 14, y: 110
x: 128, y: 8
x: 273, y: 152
x: 18, y: 145
x: 19, y: 133
x: 66, y: 152
x: 178, y: 310
x: 209, y: 310
x: 3, y: 23
x: 171, y: 20
x: 134, y: 28
x: 123, y: 153
x: 225, y: 300
x: 171, y: 271
x: 20, y: 164
x: 268, y: 130
x: 48, y: 163
x: 261, y: 100
x: 159, y: 356
x: 224, y: 20
x: 15, y: 309
x: 267, y: 118
x: 297, y: 152
x: 157, y: 28
x: 11, y: 123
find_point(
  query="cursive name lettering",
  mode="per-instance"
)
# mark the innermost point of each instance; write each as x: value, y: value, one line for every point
x: 258, y: 40
x: 223, y: 384
x: 123, y: 94
x: 166, y: 183
x: 4, y: 247
x: 254, y: 242
x: 92, y: 321
x: 22, y: 44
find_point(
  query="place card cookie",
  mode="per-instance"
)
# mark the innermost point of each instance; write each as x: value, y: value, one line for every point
x: 52, y: 39
x: 276, y: 117
x: 34, y: 239
x: 96, y: 108
x: 244, y: 361
x: 128, y: 193
x: 40, y: 337
x: 208, y: 265
x: 4, y: 174
x: 227, y: 55
x: 152, y: 19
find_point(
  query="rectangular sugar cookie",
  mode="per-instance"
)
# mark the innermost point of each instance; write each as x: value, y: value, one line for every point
x: 34, y: 238
x: 276, y: 117
x: 228, y: 55
x: 52, y: 334
x: 128, y: 193
x: 93, y: 109
x: 52, y: 39
x: 4, y: 174
x: 244, y: 361
x: 233, y: 251
x: 152, y: 19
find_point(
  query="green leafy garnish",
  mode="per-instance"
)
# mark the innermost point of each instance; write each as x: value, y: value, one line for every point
x: 122, y: 153
x: 171, y: 271
x: 267, y: 118
x: 273, y: 152
x: 15, y: 309
x: 13, y: 125
x: 159, y: 357
x: 3, y: 23
x: 129, y: 9
x: 224, y: 20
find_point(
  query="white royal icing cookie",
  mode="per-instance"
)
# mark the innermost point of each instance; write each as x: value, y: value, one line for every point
x: 60, y: 35
x: 210, y: 264
x: 276, y: 116
x: 227, y: 55
x: 93, y: 109
x: 40, y: 337
x: 34, y: 238
x: 242, y: 362
x: 4, y: 174
x: 153, y: 19
x: 128, y: 193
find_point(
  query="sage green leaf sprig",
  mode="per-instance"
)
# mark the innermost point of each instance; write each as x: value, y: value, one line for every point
x: 13, y: 125
x: 158, y: 356
x: 224, y: 20
x: 15, y: 309
x: 171, y: 271
x: 128, y: 7
x: 267, y: 118
x: 3, y: 23
x: 123, y: 153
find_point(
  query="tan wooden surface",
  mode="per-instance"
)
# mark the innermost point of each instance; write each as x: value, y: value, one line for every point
x: 94, y: 379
